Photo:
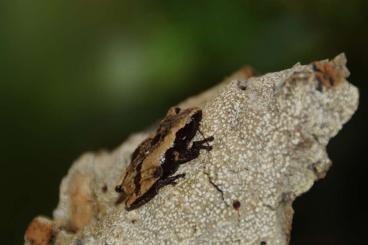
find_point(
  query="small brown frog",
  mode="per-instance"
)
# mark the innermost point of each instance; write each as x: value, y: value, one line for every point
x: 157, y: 158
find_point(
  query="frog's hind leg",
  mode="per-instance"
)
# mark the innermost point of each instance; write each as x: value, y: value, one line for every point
x: 171, y: 180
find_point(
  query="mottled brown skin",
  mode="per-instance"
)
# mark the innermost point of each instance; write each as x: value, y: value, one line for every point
x: 158, y: 157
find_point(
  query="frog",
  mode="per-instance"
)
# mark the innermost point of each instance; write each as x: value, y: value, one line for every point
x: 156, y: 160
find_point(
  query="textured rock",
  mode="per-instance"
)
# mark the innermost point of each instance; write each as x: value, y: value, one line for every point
x: 270, y: 143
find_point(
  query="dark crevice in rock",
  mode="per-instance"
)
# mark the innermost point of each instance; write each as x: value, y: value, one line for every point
x: 216, y: 187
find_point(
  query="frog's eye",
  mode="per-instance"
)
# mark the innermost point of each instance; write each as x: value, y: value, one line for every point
x: 173, y: 111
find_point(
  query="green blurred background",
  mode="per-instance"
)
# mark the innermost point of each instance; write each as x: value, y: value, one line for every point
x: 82, y: 75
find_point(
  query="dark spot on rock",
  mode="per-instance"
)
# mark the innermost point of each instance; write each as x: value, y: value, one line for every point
x: 236, y: 205
x: 104, y: 188
x: 118, y: 189
x: 263, y: 243
x: 133, y: 221
x: 177, y: 110
x: 52, y: 238
x: 319, y: 86
x: 242, y: 85
x: 315, y: 68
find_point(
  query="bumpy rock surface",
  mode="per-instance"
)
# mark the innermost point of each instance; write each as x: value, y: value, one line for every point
x: 270, y: 143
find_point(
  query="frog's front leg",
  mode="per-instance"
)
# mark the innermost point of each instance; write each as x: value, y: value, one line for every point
x: 202, y: 144
x: 193, y: 152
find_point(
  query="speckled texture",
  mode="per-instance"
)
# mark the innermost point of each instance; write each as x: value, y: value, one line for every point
x: 270, y: 143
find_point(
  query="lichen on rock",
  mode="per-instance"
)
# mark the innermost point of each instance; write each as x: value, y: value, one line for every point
x: 270, y: 132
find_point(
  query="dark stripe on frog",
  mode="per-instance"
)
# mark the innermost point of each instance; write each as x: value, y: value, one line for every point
x: 160, y: 133
x: 137, y: 178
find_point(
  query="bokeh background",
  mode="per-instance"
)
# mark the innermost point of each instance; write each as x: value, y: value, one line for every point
x: 82, y: 75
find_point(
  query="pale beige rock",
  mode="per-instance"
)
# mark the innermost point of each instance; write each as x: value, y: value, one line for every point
x: 270, y: 143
